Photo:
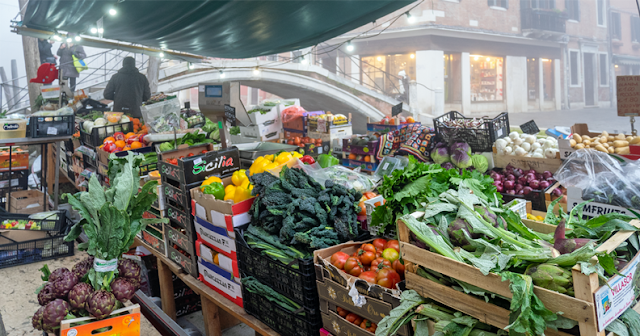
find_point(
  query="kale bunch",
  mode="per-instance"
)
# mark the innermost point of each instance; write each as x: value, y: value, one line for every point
x: 303, y: 213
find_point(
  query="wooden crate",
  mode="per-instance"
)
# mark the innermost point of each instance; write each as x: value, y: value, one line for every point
x: 580, y: 308
x: 124, y: 325
x: 537, y: 164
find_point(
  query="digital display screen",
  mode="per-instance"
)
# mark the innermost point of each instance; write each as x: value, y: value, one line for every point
x: 213, y: 91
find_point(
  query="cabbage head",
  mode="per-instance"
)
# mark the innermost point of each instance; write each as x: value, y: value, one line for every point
x: 480, y: 163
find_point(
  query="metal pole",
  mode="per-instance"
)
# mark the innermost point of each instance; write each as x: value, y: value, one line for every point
x: 7, y: 90
x: 14, y: 79
x: 56, y: 187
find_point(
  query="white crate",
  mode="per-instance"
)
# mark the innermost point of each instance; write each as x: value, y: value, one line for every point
x: 518, y: 206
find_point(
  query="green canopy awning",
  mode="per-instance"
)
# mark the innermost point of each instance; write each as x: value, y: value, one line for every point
x: 227, y: 29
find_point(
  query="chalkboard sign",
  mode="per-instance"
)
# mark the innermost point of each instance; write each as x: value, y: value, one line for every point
x: 230, y: 114
x: 628, y: 94
x: 396, y: 110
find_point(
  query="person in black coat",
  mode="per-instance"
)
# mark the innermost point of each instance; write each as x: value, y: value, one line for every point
x: 66, y: 53
x: 128, y: 89
x: 46, y: 56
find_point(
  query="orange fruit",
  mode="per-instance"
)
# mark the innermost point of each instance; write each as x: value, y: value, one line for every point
x: 128, y: 135
x: 352, y: 156
x: 136, y: 145
x: 120, y: 143
x: 367, y: 158
x: 410, y: 120
x: 113, y: 118
x: 126, y: 148
x: 108, y: 139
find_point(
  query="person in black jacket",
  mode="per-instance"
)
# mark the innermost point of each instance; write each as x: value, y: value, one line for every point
x: 128, y: 89
x: 66, y: 53
x: 46, y: 56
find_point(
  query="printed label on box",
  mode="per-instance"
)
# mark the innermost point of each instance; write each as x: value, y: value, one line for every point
x: 226, y: 285
x: 215, y: 237
x: 618, y: 296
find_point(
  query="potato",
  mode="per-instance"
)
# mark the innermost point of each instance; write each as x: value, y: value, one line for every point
x: 621, y: 143
x: 629, y: 138
x: 596, y: 141
x: 603, y: 139
x: 605, y: 134
x: 621, y: 136
x: 577, y: 138
x: 579, y: 146
x: 635, y: 141
x: 601, y: 148
x: 586, y: 137
x: 611, y: 150
x: 622, y: 150
x: 586, y: 142
x: 606, y: 145
x: 572, y: 143
x: 610, y: 137
x: 610, y: 143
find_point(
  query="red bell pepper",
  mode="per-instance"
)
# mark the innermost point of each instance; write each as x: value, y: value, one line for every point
x: 307, y: 159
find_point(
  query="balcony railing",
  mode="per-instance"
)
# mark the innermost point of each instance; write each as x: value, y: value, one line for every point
x: 543, y: 20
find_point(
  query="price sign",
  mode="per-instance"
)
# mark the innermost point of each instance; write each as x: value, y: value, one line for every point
x: 628, y: 94
x: 396, y: 110
x: 230, y: 114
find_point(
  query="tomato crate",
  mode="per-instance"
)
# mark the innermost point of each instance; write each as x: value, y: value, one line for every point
x: 297, y: 284
x: 177, y: 215
x: 586, y: 307
x: 188, y: 262
x: 42, y: 127
x: 99, y: 133
x: 480, y: 138
x: 177, y: 193
x: 199, y: 166
x: 282, y: 321
x: 155, y: 238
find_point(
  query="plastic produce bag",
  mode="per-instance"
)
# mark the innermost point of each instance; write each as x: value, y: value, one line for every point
x: 342, y: 176
x: 602, y: 178
x: 162, y: 116
x: 291, y: 113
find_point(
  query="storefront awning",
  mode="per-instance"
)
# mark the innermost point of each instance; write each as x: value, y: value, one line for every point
x: 227, y: 29
x: 626, y: 60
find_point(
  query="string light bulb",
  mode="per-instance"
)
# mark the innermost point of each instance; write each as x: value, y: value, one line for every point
x: 410, y: 19
x: 256, y: 71
x: 303, y: 60
x: 113, y: 11
x: 77, y: 38
x: 222, y: 74
x: 191, y: 66
x: 100, y: 30
x: 57, y: 37
x: 94, y: 30
x: 69, y: 40
x: 161, y: 54
x: 350, y: 46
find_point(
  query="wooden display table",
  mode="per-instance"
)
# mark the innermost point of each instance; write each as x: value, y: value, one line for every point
x: 218, y: 312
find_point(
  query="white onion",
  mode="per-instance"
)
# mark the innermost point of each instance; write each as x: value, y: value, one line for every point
x: 538, y: 155
x: 501, y: 144
x: 508, y: 150
x: 514, y: 135
x: 520, y: 151
x: 518, y: 141
x: 526, y: 146
x: 535, y: 146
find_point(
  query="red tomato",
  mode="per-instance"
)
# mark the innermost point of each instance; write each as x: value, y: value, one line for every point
x: 190, y: 154
x: 379, y: 243
x: 363, y: 209
x: 204, y: 152
x: 394, y: 244
x: 368, y: 276
x: 181, y: 157
x: 368, y: 326
x: 342, y: 312
x: 351, y: 317
x: 366, y: 257
x: 358, y: 320
x: 390, y: 254
x: 353, y: 266
x: 388, y: 278
x: 296, y: 141
x: 379, y: 264
x: 369, y: 195
x: 398, y: 265
x: 338, y: 259
x: 118, y: 136
x: 368, y: 247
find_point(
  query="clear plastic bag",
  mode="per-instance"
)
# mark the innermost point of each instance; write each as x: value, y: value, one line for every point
x: 162, y: 116
x: 342, y: 176
x: 291, y: 113
x: 602, y: 178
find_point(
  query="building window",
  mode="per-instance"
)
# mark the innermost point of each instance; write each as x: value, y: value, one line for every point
x: 548, y: 79
x: 539, y: 4
x: 616, y: 26
x: 390, y: 74
x: 486, y: 78
x: 635, y: 29
x: 574, y: 60
x: 498, y: 3
x: 573, y: 9
x: 601, y: 12
x: 604, y: 70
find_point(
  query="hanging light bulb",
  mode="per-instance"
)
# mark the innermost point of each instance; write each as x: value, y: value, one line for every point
x: 57, y: 37
x: 94, y: 30
x: 303, y: 60
x: 77, y: 38
x: 410, y: 19
x: 350, y: 46
x: 161, y: 54
x: 100, y: 30
x: 69, y: 40
x: 191, y: 66
x: 222, y: 74
x: 256, y: 71
x: 113, y: 11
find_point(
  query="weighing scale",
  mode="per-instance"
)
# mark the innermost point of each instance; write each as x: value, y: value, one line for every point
x: 220, y: 102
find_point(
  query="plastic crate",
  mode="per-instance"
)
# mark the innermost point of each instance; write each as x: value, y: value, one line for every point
x: 284, y: 322
x: 45, y: 224
x: 530, y: 127
x: 480, y: 139
x: 98, y: 134
x: 27, y: 251
x: 518, y: 206
x: 88, y: 160
x: 40, y: 127
x: 297, y: 284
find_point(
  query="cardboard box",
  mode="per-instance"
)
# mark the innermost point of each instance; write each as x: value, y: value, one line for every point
x: 230, y: 265
x: 299, y: 123
x: 565, y: 147
x: 292, y: 133
x: 179, y: 217
x: 224, y: 214
x: 324, y: 126
x: 26, y: 202
x: 149, y: 236
x: 216, y: 238
x: 19, y: 159
x: 335, y: 133
x: 19, y: 236
x: 159, y: 203
x: 527, y: 163
x: 370, y: 149
x: 197, y: 168
x: 593, y: 209
x: 258, y: 133
x: 220, y: 280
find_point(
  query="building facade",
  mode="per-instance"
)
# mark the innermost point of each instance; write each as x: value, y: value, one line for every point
x: 625, y: 37
x: 489, y: 56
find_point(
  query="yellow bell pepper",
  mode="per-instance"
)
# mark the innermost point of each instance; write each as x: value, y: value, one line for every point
x: 269, y: 157
x: 270, y: 166
x: 242, y: 193
x: 208, y: 181
x: 230, y: 194
x: 284, y: 157
x: 238, y: 177
x: 296, y: 155
x: 230, y: 188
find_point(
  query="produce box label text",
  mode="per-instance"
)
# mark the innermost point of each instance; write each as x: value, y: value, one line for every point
x: 619, y: 294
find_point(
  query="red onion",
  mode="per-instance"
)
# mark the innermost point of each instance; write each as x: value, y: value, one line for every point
x: 520, y: 192
x: 511, y: 192
x: 557, y: 192
x: 511, y: 177
x: 518, y: 187
x: 499, y: 188
x: 544, y: 185
x: 530, y: 177
x: 527, y: 190
x: 531, y: 171
x: 534, y: 184
x: 547, y: 174
x: 522, y: 180
x: 509, y: 185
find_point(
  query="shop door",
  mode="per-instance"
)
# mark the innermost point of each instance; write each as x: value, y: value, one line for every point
x: 589, y: 85
x: 532, y: 83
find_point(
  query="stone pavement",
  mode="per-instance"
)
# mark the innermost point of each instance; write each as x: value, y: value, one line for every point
x: 598, y: 119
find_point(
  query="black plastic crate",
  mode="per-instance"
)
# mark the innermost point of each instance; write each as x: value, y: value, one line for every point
x: 98, y: 134
x: 530, y: 127
x: 19, y: 180
x: 45, y: 224
x: 89, y: 161
x: 284, y: 322
x: 42, y: 127
x: 24, y: 251
x: 297, y: 284
x: 480, y: 139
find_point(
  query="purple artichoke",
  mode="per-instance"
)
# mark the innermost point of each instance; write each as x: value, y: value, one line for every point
x: 457, y: 230
x: 47, y: 294
x: 101, y: 304
x: 54, y: 312
x: 81, y: 268
x: 122, y: 289
x: 128, y: 268
x: 64, y: 284
x: 79, y: 295
x: 57, y: 274
x: 135, y: 282
x: 36, y: 320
